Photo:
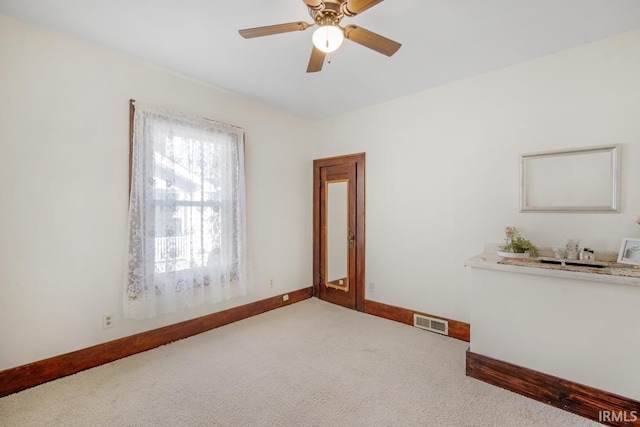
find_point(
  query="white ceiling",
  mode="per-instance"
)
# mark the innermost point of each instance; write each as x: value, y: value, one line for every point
x: 442, y: 41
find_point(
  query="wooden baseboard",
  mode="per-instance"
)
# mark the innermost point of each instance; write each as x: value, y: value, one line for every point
x: 604, y: 407
x: 22, y: 377
x: 459, y: 330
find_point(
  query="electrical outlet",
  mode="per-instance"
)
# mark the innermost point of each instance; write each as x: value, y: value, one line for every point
x: 271, y: 283
x: 285, y: 297
x: 372, y: 286
x: 107, y: 321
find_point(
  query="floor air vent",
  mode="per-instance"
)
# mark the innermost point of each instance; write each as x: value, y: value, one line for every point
x: 431, y: 324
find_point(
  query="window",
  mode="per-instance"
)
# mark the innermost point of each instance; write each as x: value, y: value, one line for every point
x: 186, y: 212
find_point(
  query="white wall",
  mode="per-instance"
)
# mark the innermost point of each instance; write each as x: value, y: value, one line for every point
x: 64, y: 114
x: 571, y: 328
x: 443, y: 166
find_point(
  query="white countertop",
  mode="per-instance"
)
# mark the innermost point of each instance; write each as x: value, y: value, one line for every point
x: 613, y: 274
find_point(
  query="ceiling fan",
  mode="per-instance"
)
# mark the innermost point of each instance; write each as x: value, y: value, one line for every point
x: 327, y: 15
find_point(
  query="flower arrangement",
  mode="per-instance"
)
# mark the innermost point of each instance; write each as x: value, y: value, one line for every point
x: 517, y: 244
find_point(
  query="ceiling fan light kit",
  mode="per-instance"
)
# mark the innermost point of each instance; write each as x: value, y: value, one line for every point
x: 327, y: 15
x: 328, y: 38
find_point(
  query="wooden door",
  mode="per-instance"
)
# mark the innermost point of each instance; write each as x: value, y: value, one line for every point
x: 338, y: 242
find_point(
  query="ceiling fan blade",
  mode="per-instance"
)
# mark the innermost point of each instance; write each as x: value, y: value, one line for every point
x: 314, y: 4
x: 353, y: 7
x: 316, y: 61
x: 371, y: 40
x: 274, y: 29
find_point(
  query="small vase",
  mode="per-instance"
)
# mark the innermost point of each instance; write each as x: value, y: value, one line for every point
x: 513, y: 254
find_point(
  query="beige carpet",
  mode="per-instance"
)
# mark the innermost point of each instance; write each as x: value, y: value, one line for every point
x: 308, y: 364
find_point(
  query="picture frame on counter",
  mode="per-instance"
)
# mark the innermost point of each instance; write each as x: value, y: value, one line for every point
x: 629, y: 251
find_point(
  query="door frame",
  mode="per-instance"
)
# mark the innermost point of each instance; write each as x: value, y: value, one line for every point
x: 358, y: 161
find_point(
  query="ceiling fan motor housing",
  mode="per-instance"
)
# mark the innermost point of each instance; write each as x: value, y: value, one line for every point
x: 329, y: 14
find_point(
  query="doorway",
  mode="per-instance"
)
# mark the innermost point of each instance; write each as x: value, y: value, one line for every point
x: 338, y: 230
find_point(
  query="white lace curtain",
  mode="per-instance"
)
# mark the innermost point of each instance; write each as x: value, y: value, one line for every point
x: 187, y: 243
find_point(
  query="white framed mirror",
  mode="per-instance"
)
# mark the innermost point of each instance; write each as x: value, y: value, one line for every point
x: 572, y: 180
